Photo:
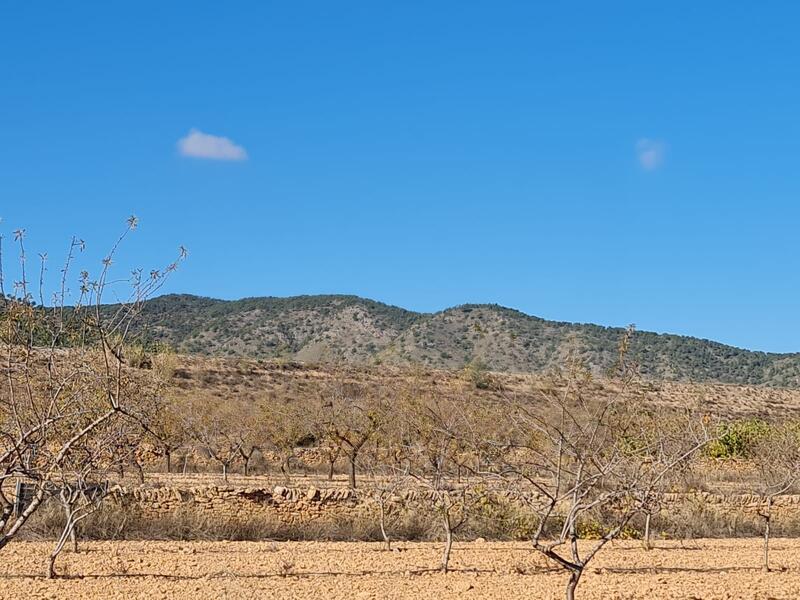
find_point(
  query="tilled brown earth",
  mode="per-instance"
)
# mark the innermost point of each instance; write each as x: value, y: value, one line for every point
x: 303, y: 570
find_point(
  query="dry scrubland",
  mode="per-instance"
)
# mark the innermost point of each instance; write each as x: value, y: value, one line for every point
x: 723, y: 568
x: 256, y: 379
x: 359, y: 331
x: 706, y: 569
x: 563, y: 464
x: 586, y: 457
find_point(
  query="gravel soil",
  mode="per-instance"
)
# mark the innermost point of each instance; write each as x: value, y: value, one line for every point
x: 706, y: 569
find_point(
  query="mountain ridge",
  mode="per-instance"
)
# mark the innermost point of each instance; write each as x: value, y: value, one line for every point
x: 349, y: 328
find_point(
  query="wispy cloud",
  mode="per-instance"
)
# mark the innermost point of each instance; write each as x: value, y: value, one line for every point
x: 213, y: 147
x: 650, y: 153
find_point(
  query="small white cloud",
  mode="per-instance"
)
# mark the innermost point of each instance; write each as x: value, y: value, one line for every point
x: 650, y: 153
x: 204, y: 145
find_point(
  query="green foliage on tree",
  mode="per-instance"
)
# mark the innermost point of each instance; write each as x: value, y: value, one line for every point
x: 738, y: 439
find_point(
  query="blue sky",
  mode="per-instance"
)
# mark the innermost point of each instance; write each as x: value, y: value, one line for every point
x: 620, y: 162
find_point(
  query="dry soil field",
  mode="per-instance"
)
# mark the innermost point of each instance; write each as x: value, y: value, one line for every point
x: 699, y: 569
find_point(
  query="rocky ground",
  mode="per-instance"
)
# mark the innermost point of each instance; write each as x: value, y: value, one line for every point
x: 705, y: 569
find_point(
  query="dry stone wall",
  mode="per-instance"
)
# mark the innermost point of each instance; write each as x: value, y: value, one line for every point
x: 290, y: 505
x: 294, y: 505
x: 788, y: 504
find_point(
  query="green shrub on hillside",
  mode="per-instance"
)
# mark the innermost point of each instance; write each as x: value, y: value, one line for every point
x: 477, y: 372
x: 738, y: 439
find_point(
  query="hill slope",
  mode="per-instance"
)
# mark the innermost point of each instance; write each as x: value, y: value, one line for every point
x: 359, y: 331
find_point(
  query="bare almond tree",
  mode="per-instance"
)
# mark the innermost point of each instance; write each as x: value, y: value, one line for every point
x: 575, y: 456
x: 249, y: 429
x: 218, y: 427
x: 776, y: 460
x: 387, y: 478
x: 351, y: 414
x: 81, y: 483
x: 162, y: 417
x: 332, y: 452
x: 284, y: 423
x: 64, y: 370
x: 437, y: 430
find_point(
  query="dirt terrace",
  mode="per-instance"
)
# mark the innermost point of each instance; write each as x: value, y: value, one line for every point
x: 708, y: 569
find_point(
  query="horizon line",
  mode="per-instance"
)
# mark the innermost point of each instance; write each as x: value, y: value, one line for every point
x: 475, y: 304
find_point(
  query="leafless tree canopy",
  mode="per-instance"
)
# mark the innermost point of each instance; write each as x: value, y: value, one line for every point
x: 570, y: 454
x: 66, y: 378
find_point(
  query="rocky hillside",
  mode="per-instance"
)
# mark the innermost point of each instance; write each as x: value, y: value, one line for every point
x: 349, y: 329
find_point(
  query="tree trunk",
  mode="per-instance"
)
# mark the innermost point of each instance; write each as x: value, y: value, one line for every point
x: 247, y: 465
x: 330, y: 469
x: 66, y: 533
x: 168, y: 459
x: 225, y: 472
x: 574, y: 578
x: 448, y: 541
x: 767, y: 518
x: 285, y: 469
x: 72, y: 535
x: 386, y: 540
x: 51, y: 566
x: 139, y: 471
x: 647, y: 545
x: 352, y: 460
x: 7, y: 536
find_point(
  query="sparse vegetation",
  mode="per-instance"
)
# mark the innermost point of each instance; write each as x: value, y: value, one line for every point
x: 570, y: 460
x: 362, y: 331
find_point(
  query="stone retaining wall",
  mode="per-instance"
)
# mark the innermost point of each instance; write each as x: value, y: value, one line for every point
x: 288, y: 504
x: 294, y: 505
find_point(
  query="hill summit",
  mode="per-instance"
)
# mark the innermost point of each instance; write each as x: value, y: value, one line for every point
x: 350, y: 329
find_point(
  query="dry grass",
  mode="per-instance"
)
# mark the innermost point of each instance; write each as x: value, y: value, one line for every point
x: 506, y: 522
x: 117, y: 523
x: 256, y: 379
